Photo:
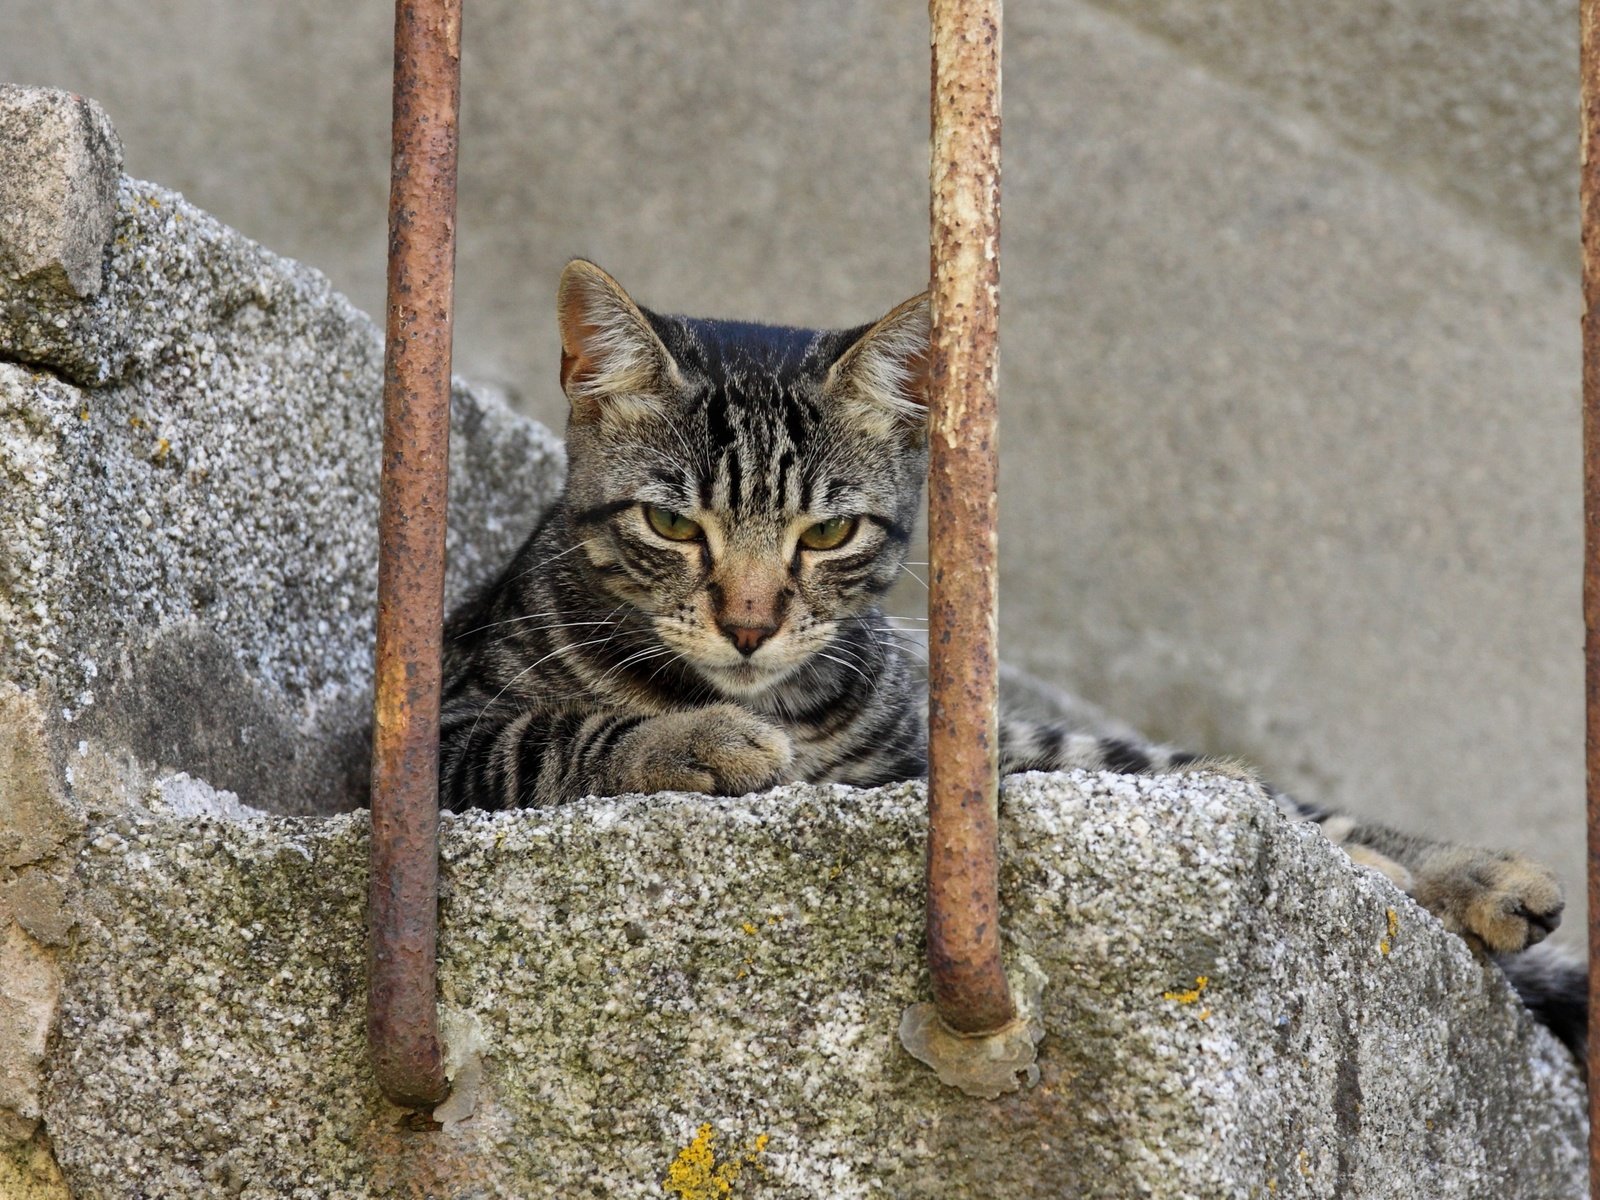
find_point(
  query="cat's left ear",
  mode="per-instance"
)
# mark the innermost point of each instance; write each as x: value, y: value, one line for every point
x: 883, y: 375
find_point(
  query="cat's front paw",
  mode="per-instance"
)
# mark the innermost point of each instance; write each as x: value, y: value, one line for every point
x: 1497, y: 899
x: 721, y: 749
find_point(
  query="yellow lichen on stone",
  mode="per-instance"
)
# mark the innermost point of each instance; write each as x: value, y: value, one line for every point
x: 1387, y: 943
x: 692, y: 1174
x: 28, y: 1172
x: 749, y: 928
x: 696, y: 1175
x: 1189, y: 995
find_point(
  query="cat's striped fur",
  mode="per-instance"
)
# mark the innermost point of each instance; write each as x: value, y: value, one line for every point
x: 678, y: 620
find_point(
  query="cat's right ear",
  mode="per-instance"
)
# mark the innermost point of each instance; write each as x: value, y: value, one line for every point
x: 612, y: 362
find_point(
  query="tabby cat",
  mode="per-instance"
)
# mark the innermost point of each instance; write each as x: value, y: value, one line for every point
x: 699, y: 612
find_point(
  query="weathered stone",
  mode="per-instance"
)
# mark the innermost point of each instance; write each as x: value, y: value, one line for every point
x: 30, y: 985
x: 58, y: 192
x: 37, y: 901
x: 685, y: 990
x: 28, y: 1172
x: 208, y: 602
x: 36, y: 818
x: 39, y: 831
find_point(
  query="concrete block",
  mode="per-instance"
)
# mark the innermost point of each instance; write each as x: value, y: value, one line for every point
x: 58, y: 191
x: 207, y: 600
x: 1477, y: 100
x: 40, y: 828
x: 700, y: 997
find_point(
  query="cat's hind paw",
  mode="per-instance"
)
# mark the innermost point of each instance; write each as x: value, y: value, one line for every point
x: 1499, y: 900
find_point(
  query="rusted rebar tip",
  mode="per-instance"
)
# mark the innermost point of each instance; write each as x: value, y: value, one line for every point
x: 403, y: 893
x: 983, y: 1064
x: 963, y: 900
x: 1589, y: 205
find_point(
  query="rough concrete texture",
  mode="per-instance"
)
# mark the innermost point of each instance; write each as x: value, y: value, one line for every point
x: 55, y: 222
x: 645, y: 996
x: 40, y: 828
x: 1290, y: 407
x: 188, y: 550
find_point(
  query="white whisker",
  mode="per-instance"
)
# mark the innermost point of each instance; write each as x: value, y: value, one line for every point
x: 536, y: 628
x: 849, y: 666
x: 541, y: 565
x: 513, y: 680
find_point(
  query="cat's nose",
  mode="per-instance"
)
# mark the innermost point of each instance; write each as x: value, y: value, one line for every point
x: 746, y: 638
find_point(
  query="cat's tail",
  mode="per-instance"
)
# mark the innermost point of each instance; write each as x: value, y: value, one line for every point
x: 1031, y: 745
x: 1555, y: 987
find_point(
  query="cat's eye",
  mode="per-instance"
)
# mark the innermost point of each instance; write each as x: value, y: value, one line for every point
x: 671, y: 525
x: 828, y: 535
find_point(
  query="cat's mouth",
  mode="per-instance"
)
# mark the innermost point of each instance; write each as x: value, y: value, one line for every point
x: 743, y: 678
x: 733, y: 674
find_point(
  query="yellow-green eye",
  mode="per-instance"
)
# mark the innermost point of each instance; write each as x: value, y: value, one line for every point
x: 828, y: 535
x: 673, y: 526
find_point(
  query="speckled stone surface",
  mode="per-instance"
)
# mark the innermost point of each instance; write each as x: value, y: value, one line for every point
x: 55, y: 221
x: 678, y: 993
x: 188, y: 547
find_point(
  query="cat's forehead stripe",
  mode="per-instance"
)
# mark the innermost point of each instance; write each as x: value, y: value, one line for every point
x: 785, y: 463
x: 755, y: 433
x: 763, y: 440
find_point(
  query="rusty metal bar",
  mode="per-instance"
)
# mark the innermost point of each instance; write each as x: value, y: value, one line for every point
x: 402, y: 1009
x: 1589, y: 193
x: 969, y: 982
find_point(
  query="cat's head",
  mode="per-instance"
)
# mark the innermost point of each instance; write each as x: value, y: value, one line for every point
x: 744, y: 487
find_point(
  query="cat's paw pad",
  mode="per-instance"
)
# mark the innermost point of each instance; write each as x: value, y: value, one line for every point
x: 1501, y: 900
x: 721, y: 749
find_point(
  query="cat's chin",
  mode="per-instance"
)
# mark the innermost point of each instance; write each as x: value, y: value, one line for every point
x: 742, y: 680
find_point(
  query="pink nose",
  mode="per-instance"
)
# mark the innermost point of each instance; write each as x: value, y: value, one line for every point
x: 746, y: 638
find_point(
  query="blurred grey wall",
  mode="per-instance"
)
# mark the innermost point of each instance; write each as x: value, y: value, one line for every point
x: 1291, y: 462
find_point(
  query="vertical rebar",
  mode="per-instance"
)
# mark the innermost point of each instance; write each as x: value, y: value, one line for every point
x: 402, y: 1009
x: 969, y: 981
x: 1589, y: 193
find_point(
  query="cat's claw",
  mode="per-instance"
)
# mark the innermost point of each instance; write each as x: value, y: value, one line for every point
x: 720, y: 749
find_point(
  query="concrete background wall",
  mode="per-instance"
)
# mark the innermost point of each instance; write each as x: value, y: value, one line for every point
x: 1291, y: 459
